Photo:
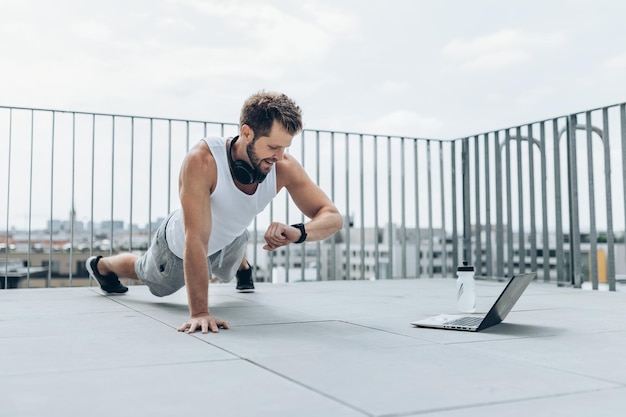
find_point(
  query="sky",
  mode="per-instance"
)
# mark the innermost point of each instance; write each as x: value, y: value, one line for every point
x: 442, y: 69
x: 421, y: 68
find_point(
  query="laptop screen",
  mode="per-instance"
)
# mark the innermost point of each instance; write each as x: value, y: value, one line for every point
x: 512, y: 292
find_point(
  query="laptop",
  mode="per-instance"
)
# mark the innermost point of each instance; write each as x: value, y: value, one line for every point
x: 475, y: 323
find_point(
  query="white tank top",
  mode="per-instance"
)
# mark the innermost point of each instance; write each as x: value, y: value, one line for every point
x: 232, y: 210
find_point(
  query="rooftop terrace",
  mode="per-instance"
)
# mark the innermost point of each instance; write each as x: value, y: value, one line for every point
x: 311, y: 349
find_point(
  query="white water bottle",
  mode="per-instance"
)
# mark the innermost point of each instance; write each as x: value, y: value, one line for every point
x: 465, y: 288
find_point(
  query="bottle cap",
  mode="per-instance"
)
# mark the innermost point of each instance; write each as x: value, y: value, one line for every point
x: 465, y: 267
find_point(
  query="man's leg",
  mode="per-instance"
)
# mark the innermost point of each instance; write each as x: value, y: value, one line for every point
x: 245, y: 283
x: 243, y: 266
x: 108, y: 270
x: 122, y: 265
x: 231, y: 261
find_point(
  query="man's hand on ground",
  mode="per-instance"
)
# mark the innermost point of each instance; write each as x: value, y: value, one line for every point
x: 204, y: 323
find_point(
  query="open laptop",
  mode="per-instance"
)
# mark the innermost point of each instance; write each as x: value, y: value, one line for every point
x: 475, y: 323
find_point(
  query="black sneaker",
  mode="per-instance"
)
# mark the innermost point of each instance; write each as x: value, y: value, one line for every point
x: 244, y: 280
x: 110, y: 283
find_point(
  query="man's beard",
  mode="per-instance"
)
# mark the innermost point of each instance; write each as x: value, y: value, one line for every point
x: 255, y: 161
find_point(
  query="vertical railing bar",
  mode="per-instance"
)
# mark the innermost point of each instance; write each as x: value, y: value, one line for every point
x: 93, y: 185
x: 531, y: 192
x: 52, y: 138
x: 303, y: 246
x: 255, y: 262
x: 593, y: 235
x: 169, y: 165
x: 376, y: 225
x: 150, y: 180
x: 389, y: 207
x: 273, y: 254
x: 318, y: 246
x: 332, y: 190
x: 544, y: 203
x: 287, y: 248
x: 609, y: 200
x: 574, y: 216
x: 444, y: 240
x: 521, y: 250
x: 467, y: 232
x: 455, y: 232
x: 349, y: 219
x: 187, y: 135
x: 112, y: 183
x: 132, y: 182
x: 478, y: 258
x: 499, y: 207
x: 30, y: 196
x: 362, y: 204
x: 488, y: 231
x: 560, y: 241
x: 8, y: 246
x: 431, y: 234
x: 622, y: 109
x: 403, y: 206
x: 72, y: 194
x: 255, y: 231
x: 509, y: 204
x: 418, y: 237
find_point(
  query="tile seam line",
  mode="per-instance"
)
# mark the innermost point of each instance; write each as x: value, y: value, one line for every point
x: 494, y: 403
x: 309, y: 388
x: 258, y: 365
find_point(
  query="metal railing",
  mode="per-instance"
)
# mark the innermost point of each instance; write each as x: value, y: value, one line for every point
x: 546, y: 196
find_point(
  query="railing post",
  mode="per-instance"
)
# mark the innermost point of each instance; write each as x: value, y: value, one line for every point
x: 467, y: 221
x: 573, y: 205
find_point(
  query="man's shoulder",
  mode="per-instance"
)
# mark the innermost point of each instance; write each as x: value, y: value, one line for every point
x: 289, y: 171
x: 200, y: 155
x: 212, y: 141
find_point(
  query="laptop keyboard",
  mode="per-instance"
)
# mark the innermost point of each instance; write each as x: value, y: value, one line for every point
x: 465, y: 321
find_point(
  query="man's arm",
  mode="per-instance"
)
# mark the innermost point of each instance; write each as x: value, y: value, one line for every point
x: 197, y: 180
x: 325, y: 219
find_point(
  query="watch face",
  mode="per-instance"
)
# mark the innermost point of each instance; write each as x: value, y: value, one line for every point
x: 302, y: 232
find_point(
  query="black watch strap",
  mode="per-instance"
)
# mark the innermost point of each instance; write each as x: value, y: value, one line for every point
x: 302, y: 232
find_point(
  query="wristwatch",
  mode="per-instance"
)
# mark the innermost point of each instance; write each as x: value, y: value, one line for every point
x: 302, y: 231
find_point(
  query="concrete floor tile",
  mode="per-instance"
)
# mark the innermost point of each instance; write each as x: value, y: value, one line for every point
x: 420, y: 378
x: 226, y: 388
x: 604, y: 403
x: 303, y: 338
x: 96, y: 341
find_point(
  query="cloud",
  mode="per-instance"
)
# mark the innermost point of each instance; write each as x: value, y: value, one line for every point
x: 616, y: 62
x: 392, y: 87
x: 91, y: 30
x: 535, y: 94
x: 271, y: 33
x: 405, y: 123
x: 501, y: 49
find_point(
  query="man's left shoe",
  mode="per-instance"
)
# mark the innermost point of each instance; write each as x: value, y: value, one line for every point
x: 244, y: 280
x: 109, y: 283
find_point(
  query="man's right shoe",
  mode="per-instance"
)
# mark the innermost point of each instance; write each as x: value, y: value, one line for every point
x: 244, y: 280
x: 110, y: 283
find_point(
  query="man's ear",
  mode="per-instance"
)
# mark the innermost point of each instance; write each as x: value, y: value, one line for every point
x: 247, y: 133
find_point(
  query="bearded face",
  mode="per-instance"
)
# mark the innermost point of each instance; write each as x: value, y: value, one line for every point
x: 260, y: 165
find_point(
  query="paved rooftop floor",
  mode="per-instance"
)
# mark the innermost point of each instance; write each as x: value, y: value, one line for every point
x: 311, y: 349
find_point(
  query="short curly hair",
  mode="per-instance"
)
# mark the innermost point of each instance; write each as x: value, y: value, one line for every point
x: 261, y: 109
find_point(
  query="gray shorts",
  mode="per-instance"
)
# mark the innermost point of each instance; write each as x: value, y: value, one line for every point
x: 163, y: 272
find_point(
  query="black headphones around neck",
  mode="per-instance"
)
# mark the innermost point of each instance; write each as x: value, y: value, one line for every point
x: 242, y: 171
